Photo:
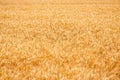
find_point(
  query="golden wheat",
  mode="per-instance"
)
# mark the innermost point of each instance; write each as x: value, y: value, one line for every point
x: 59, y: 40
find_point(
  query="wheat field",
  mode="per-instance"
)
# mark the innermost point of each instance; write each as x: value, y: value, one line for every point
x: 59, y: 39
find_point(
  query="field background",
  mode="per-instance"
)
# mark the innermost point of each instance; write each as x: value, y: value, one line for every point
x: 59, y: 39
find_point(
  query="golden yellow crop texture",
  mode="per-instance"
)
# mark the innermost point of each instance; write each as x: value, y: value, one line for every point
x: 59, y: 39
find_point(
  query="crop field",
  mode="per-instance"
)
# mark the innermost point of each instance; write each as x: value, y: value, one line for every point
x: 59, y: 39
